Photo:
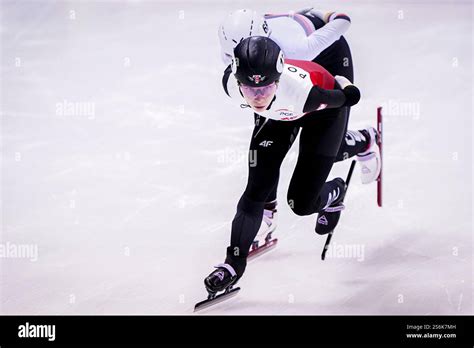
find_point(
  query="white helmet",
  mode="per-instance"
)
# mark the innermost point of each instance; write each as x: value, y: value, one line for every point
x: 239, y: 25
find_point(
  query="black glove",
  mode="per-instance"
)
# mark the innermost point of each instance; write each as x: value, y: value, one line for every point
x: 352, y: 94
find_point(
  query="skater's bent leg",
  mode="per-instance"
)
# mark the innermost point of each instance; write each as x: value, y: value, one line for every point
x: 319, y: 144
x: 262, y: 181
x: 302, y: 198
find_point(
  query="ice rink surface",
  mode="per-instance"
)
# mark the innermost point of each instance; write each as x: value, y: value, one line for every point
x: 123, y: 161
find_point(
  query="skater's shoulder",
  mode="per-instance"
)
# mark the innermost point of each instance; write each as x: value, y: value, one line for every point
x: 309, y: 72
x: 296, y: 80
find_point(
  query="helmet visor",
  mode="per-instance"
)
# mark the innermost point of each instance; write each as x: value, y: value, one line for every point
x: 255, y: 92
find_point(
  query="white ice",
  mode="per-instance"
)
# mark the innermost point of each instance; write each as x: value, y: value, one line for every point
x: 129, y: 197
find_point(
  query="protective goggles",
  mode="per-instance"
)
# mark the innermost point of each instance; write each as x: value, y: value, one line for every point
x: 253, y: 92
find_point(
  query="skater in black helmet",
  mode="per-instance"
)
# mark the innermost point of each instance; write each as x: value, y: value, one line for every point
x: 288, y: 97
x: 305, y: 35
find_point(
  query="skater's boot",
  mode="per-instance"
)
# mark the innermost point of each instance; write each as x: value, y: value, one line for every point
x: 334, y: 192
x: 369, y: 159
x: 269, y: 223
x: 228, y: 273
x: 221, y: 279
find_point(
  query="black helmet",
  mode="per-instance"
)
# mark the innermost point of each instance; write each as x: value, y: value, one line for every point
x: 258, y: 61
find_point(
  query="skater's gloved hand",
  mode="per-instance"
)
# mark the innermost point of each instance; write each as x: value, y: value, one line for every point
x: 351, y: 92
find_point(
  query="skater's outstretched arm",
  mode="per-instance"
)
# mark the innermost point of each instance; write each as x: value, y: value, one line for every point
x: 309, y: 44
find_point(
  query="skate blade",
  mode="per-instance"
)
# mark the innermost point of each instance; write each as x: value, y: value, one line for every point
x: 326, y: 245
x: 253, y: 254
x: 218, y: 299
x: 380, y: 144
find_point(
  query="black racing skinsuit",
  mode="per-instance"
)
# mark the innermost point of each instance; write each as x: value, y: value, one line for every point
x: 322, y: 133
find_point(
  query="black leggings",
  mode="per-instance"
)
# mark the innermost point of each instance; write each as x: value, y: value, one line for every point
x: 321, y: 144
x: 321, y: 135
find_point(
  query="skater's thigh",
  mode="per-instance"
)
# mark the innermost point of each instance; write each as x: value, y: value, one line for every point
x: 320, y: 140
x: 269, y: 145
x: 322, y: 133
